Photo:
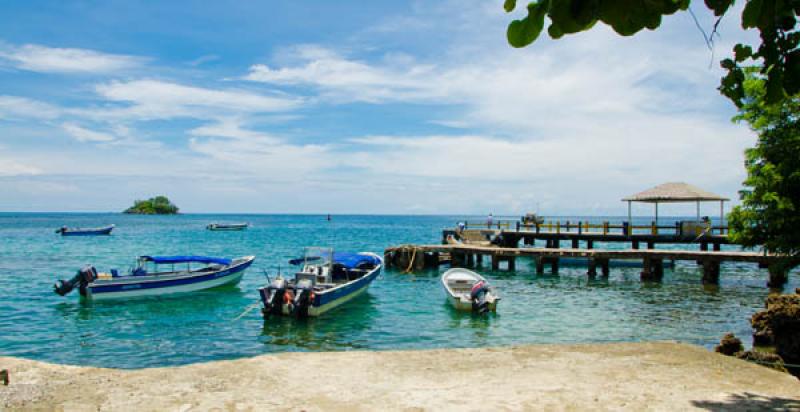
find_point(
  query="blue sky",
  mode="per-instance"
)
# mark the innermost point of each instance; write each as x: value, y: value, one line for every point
x: 353, y: 107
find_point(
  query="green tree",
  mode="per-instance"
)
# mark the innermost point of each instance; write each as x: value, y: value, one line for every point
x: 770, y: 210
x: 158, y: 205
x: 776, y: 20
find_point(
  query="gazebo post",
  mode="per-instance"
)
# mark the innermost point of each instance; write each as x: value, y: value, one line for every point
x: 698, y: 210
x: 629, y: 217
x: 656, y: 213
x: 721, y: 217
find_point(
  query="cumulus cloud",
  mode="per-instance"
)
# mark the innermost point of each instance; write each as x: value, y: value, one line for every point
x: 83, y: 134
x: 45, y: 59
x: 16, y: 107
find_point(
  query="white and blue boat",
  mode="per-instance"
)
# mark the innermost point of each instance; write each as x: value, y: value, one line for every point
x: 227, y: 226
x: 148, y: 278
x: 95, y: 231
x: 326, y: 280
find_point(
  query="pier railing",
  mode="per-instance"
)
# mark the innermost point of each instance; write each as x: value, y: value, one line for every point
x: 604, y: 228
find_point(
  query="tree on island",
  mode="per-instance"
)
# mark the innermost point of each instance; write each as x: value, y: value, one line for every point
x: 765, y: 92
x: 158, y: 205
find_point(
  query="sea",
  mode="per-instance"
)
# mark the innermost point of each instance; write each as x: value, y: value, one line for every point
x: 399, y: 311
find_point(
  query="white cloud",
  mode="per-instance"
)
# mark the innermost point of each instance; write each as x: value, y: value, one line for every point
x: 15, y: 107
x: 38, y: 58
x: 154, y: 99
x: 82, y: 134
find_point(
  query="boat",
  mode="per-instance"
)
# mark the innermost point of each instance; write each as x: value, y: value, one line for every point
x: 467, y: 290
x: 326, y: 280
x: 148, y: 279
x: 97, y: 231
x: 227, y: 226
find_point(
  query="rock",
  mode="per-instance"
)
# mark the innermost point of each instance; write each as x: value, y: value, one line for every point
x: 779, y: 326
x: 769, y: 360
x: 729, y: 345
x: 4, y: 377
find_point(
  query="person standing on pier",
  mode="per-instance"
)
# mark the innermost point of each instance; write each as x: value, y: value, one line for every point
x: 489, y: 220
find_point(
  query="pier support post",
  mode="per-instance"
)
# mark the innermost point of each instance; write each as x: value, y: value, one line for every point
x: 604, y: 267
x: 589, y: 244
x: 575, y: 243
x: 777, y: 276
x: 716, y: 247
x: 556, y: 243
x: 457, y: 259
x: 704, y: 246
x: 470, y: 260
x: 710, y: 272
x: 592, y: 272
x: 539, y: 265
x: 554, y: 265
x: 479, y: 260
x: 432, y: 260
x: 650, y: 245
x: 495, y: 262
x: 635, y: 244
x: 652, y: 269
x: 512, y: 263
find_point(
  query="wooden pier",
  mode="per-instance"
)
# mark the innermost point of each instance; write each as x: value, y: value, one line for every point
x: 418, y: 257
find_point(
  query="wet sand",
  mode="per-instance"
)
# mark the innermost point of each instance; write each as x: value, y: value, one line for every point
x: 624, y: 376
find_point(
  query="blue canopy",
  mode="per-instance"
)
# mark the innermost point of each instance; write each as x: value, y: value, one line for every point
x: 186, y: 259
x: 351, y: 260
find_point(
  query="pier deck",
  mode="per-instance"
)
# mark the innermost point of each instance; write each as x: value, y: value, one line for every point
x: 415, y: 257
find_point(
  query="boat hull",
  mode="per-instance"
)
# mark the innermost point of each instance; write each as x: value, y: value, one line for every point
x: 130, y: 288
x: 93, y: 232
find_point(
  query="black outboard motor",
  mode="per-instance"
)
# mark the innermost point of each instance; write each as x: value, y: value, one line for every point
x: 303, y: 295
x: 272, y: 297
x: 478, y: 294
x: 81, y: 279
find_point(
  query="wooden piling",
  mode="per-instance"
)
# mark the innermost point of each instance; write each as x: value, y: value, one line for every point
x: 777, y: 276
x: 592, y: 272
x: 495, y: 262
x: 710, y: 272
x: 539, y: 265
x: 512, y: 264
x: 575, y: 243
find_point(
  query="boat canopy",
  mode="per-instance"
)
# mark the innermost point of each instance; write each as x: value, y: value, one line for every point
x: 352, y: 260
x: 186, y: 259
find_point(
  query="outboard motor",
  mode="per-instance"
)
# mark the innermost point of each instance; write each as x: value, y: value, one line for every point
x: 478, y: 294
x: 81, y: 279
x: 272, y: 297
x: 303, y: 298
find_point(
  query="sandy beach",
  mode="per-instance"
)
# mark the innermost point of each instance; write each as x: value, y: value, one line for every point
x: 628, y: 376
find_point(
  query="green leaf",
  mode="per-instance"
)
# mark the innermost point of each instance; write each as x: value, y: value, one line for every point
x: 751, y: 13
x: 509, y: 5
x: 742, y: 52
x: 524, y: 32
x: 719, y: 6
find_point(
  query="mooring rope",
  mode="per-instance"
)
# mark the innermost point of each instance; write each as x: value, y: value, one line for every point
x: 413, y: 257
x: 246, y: 311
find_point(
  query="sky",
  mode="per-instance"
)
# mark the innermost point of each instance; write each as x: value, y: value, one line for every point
x: 416, y: 107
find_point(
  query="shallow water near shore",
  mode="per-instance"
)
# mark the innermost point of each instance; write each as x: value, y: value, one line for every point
x: 400, y: 311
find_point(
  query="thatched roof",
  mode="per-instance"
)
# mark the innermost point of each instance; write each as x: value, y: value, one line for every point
x: 674, y: 192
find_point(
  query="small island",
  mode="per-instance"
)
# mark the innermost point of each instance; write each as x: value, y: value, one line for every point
x: 158, y: 205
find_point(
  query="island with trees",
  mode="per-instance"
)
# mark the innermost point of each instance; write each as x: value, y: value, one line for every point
x: 158, y: 205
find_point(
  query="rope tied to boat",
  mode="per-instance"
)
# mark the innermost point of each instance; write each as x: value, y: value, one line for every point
x: 247, y: 310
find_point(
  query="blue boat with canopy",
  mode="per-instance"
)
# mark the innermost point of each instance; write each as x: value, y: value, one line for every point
x: 157, y: 276
x: 325, y: 280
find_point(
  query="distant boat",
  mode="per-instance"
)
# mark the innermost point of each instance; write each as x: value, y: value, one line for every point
x: 467, y: 290
x: 325, y: 281
x: 140, y: 281
x: 97, y: 231
x: 228, y: 226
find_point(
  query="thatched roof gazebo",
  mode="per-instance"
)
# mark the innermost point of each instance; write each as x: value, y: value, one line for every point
x: 677, y: 192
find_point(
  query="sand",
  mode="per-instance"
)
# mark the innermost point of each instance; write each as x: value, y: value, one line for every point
x: 624, y: 376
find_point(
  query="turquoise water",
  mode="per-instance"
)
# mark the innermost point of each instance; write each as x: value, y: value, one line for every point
x: 400, y: 311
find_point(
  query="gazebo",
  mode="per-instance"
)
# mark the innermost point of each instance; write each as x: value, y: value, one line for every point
x: 677, y: 192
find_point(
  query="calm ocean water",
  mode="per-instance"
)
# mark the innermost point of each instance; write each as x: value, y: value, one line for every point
x: 400, y: 311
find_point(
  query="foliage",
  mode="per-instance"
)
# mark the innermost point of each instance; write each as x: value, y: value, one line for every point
x: 778, y: 55
x: 770, y: 210
x: 158, y: 205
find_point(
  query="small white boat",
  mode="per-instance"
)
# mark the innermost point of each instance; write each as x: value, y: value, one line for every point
x: 227, y: 226
x: 467, y: 290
